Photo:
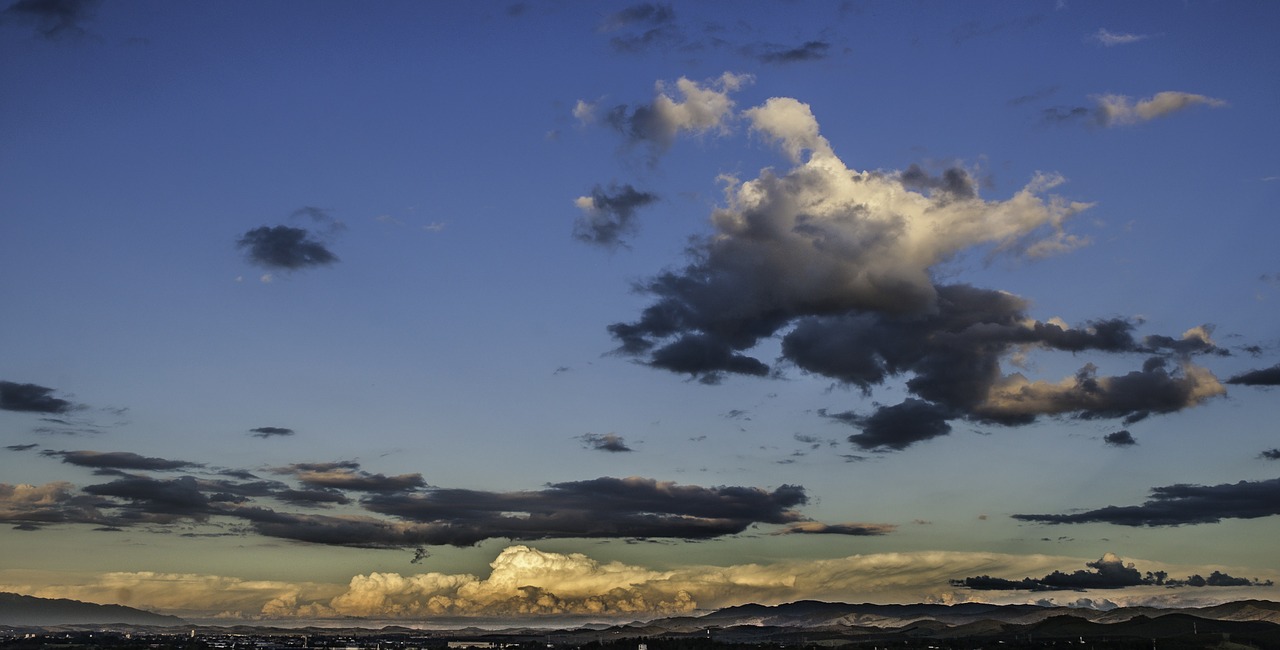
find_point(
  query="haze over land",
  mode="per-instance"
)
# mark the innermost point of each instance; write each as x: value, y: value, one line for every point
x: 624, y: 311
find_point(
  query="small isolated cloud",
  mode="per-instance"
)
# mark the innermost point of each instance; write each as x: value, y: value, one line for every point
x: 22, y: 447
x: 268, y: 432
x: 1182, y: 504
x: 1122, y: 110
x: 854, y: 529
x: 31, y: 398
x: 608, y: 215
x: 696, y: 108
x: 1109, y: 38
x: 52, y: 19
x: 610, y: 442
x: 1270, y: 454
x: 118, y: 460
x: 1109, y: 572
x: 1264, y: 377
x: 285, y: 248
x: 1120, y: 438
x: 807, y: 51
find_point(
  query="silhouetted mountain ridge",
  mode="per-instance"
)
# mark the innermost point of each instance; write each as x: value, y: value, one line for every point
x: 19, y: 610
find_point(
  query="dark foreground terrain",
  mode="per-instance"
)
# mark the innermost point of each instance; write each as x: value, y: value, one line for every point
x: 801, y: 625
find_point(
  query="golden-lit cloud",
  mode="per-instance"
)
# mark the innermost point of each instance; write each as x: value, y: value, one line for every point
x: 526, y: 581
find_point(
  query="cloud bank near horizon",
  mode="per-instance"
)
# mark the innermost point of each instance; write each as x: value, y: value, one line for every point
x: 528, y: 582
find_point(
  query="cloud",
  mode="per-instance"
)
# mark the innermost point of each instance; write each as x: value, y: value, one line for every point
x: 1121, y: 110
x: 31, y: 398
x: 52, y: 19
x: 700, y: 108
x: 525, y: 582
x: 1120, y: 438
x: 118, y: 460
x: 1110, y: 39
x: 1264, y: 377
x: 645, y: 25
x: 608, y: 216
x: 285, y: 248
x: 1110, y: 572
x: 267, y: 432
x: 51, y: 503
x: 841, y: 264
x: 1270, y: 454
x: 25, y: 447
x: 610, y: 442
x: 347, y: 475
x: 1183, y: 504
x: 598, y: 508
x: 807, y: 51
x: 854, y: 529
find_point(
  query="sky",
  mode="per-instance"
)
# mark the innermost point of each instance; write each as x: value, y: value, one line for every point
x: 614, y: 310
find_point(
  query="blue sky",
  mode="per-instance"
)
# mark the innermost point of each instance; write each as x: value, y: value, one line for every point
x: 655, y: 307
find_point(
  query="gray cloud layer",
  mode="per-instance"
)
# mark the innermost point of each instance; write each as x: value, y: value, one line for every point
x: 1109, y: 572
x: 397, y: 511
x: 1176, y: 505
x: 31, y: 398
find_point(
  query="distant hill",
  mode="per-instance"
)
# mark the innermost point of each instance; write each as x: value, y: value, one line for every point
x: 18, y: 610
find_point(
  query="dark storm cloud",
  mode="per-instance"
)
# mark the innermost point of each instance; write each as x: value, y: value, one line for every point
x: 705, y: 358
x: 1264, y: 377
x: 1270, y: 454
x: 644, y: 26
x: 148, y: 500
x: 1109, y: 572
x: 853, y: 529
x: 31, y: 398
x: 610, y: 442
x: 1120, y: 438
x: 267, y: 432
x: 52, y: 503
x: 118, y: 460
x: 406, y: 514
x: 284, y: 247
x: 609, y: 215
x: 598, y: 508
x: 52, y: 19
x: 22, y: 447
x: 808, y: 51
x: 347, y: 475
x: 896, y: 427
x: 1176, y: 505
x: 955, y: 182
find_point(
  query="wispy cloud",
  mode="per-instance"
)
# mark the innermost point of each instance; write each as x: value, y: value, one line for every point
x: 1109, y: 38
x: 1122, y: 110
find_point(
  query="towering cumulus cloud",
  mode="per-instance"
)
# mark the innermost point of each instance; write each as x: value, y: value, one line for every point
x: 840, y: 263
